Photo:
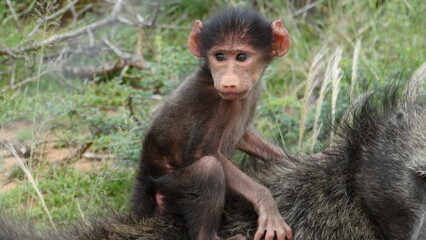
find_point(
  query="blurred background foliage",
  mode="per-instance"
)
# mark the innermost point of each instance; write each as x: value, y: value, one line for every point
x: 340, y: 50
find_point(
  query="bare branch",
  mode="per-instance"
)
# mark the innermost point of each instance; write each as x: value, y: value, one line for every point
x: 93, y: 71
x: 87, y: 7
x: 35, y: 29
x: 15, y: 16
x: 123, y: 71
x: 172, y: 27
x: 91, y: 37
x: 117, y: 50
x: 114, y: 18
x: 60, y: 37
x: 62, y: 10
x: 10, y: 53
x: 122, y: 64
x: 125, y: 59
x: 128, y: 22
x: 130, y: 59
x: 157, y: 10
x: 72, y: 34
x: 307, y: 7
x: 117, y: 8
x: 25, y: 82
x: 142, y: 24
x: 91, y: 50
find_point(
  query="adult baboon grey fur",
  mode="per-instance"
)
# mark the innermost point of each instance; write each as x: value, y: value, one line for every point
x: 371, y: 184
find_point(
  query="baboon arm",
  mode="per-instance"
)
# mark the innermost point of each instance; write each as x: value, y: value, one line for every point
x: 257, y: 146
x: 270, y: 221
x: 240, y: 183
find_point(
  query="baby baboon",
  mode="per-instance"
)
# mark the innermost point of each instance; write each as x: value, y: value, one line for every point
x: 370, y: 185
x: 185, y: 165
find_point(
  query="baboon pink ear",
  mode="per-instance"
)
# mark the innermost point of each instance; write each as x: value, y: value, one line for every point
x: 194, y: 41
x: 280, y: 39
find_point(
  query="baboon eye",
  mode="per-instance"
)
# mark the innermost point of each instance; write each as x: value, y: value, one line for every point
x: 242, y: 57
x: 220, y: 57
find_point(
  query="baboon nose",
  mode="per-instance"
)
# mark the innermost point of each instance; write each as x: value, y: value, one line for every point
x: 229, y: 85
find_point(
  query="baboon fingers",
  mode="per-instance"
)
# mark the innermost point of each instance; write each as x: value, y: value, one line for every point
x: 280, y: 235
x: 270, y: 235
x: 274, y: 228
x: 259, y: 233
x: 288, y: 232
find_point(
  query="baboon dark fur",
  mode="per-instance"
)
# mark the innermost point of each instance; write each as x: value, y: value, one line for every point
x: 370, y: 184
x: 242, y: 24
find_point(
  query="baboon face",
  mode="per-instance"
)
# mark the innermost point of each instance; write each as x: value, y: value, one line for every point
x: 237, y: 47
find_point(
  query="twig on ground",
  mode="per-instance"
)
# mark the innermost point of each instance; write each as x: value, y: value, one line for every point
x: 97, y: 156
x: 132, y: 114
x: 76, y: 154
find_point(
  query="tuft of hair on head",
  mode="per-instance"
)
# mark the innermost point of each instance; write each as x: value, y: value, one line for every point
x: 235, y: 26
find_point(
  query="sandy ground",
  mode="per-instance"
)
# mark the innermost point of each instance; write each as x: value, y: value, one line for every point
x: 46, y: 152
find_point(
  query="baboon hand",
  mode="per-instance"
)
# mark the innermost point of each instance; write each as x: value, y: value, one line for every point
x: 271, y: 225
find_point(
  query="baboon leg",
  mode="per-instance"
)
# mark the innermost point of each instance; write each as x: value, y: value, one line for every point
x: 196, y: 193
x: 143, y: 203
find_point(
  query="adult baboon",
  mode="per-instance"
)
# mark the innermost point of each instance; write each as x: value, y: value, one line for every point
x: 370, y: 185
